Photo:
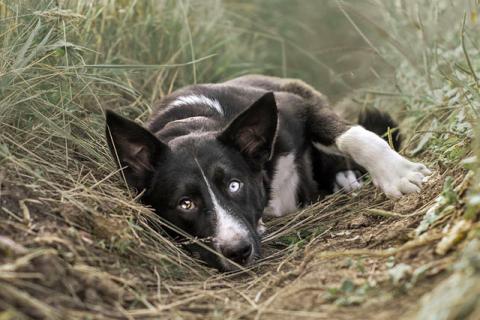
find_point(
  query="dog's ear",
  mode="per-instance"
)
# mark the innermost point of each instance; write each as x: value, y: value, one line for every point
x: 253, y: 132
x: 134, y: 148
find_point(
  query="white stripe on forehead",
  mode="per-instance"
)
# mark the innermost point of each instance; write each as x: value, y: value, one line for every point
x: 198, y: 99
x: 228, y: 229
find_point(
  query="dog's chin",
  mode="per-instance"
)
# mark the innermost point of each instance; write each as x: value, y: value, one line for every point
x: 229, y: 266
x: 215, y: 260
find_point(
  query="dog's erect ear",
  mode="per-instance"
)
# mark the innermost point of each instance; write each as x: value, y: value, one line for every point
x: 253, y: 132
x: 134, y: 148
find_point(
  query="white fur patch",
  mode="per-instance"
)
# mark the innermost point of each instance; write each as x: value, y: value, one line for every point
x: 394, y: 174
x: 198, y: 99
x: 284, y: 187
x: 261, y: 227
x: 228, y: 229
x: 346, y: 181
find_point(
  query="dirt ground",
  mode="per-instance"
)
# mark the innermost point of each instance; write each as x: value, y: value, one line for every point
x: 344, y: 273
x: 56, y: 263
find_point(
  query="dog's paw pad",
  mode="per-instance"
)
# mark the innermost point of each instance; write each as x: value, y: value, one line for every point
x: 347, y: 181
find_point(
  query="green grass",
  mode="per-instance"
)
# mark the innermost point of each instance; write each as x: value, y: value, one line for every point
x: 61, y: 67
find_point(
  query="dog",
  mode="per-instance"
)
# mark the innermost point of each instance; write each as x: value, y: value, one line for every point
x: 213, y: 159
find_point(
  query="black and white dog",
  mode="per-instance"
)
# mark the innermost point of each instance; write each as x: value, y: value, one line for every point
x: 214, y: 158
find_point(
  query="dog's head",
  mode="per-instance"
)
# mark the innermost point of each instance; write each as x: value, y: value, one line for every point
x: 209, y: 184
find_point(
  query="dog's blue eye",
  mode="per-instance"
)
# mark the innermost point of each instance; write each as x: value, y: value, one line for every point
x: 234, y: 186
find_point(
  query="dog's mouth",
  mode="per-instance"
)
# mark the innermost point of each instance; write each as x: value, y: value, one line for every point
x: 237, y: 264
x: 216, y: 258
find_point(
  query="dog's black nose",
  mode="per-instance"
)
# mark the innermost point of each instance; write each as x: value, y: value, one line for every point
x: 238, y: 252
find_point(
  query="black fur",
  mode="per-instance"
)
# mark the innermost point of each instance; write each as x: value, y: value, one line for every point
x: 380, y: 122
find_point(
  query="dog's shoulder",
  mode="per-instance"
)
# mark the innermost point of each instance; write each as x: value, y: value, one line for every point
x: 206, y: 106
x: 210, y: 107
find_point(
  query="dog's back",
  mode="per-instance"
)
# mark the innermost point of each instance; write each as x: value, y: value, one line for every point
x: 199, y: 109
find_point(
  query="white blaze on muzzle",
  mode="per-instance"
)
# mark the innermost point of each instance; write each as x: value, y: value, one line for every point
x: 228, y: 229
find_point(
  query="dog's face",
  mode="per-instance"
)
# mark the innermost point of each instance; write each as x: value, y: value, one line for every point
x: 208, y: 184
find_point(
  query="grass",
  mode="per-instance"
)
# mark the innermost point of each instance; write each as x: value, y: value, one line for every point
x: 74, y: 242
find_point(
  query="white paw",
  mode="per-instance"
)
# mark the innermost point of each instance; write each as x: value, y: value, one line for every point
x: 397, y: 176
x: 394, y: 174
x: 261, y: 228
x: 346, y: 181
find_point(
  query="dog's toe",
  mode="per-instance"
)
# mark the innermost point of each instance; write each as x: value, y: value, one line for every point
x: 422, y: 169
x: 347, y: 180
x: 406, y: 186
x: 261, y: 227
x: 416, y: 178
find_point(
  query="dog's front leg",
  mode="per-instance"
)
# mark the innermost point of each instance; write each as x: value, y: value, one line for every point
x: 390, y: 171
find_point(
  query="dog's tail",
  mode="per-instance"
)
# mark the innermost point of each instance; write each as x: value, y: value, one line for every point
x: 371, y: 119
x: 382, y: 124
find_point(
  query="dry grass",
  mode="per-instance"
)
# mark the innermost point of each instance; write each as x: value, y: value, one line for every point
x: 74, y: 243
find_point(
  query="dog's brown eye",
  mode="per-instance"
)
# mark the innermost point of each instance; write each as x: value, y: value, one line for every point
x: 234, y: 186
x: 186, y: 204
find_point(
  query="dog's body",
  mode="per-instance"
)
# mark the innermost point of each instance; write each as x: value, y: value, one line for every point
x: 217, y: 157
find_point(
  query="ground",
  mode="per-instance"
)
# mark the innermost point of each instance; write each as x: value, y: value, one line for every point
x: 338, y: 264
